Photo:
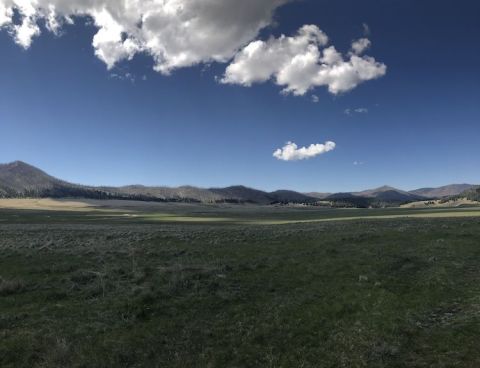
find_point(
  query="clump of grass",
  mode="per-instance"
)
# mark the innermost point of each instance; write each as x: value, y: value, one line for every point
x: 9, y: 287
x: 57, y: 354
x: 83, y: 277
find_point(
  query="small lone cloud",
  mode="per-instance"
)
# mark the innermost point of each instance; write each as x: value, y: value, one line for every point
x: 358, y: 163
x: 123, y: 77
x: 315, y: 99
x: 366, y: 30
x: 291, y: 152
x: 359, y: 110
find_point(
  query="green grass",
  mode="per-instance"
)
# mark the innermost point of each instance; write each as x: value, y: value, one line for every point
x: 241, y: 215
x: 112, y: 291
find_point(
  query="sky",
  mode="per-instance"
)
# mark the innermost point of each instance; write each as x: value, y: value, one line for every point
x: 312, y: 95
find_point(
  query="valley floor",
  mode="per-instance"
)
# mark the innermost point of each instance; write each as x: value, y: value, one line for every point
x: 47, y: 210
x: 224, y: 286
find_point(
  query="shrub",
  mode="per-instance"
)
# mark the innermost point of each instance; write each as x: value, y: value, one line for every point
x: 9, y: 287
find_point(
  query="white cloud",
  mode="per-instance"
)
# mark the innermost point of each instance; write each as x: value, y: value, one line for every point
x: 5, y: 14
x: 315, y: 99
x: 360, y: 46
x: 176, y: 33
x: 360, y: 110
x: 291, y: 152
x: 301, y: 63
x: 25, y: 32
x: 183, y: 33
x: 124, y: 76
x: 366, y: 29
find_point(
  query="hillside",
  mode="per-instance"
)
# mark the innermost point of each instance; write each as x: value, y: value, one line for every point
x: 18, y: 177
x: 19, y: 180
x: 285, y: 196
x: 348, y: 200
x: 181, y: 194
x: 379, y: 197
x: 318, y: 195
x: 472, y: 194
x: 445, y: 191
x: 388, y: 193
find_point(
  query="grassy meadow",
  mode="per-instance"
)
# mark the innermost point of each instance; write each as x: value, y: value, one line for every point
x: 238, y: 286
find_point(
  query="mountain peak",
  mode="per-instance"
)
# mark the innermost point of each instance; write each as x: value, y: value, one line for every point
x: 19, y: 178
x: 376, y: 191
x: 22, y: 168
x: 385, y: 188
x: 17, y: 163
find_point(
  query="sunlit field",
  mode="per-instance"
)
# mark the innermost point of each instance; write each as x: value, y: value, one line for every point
x: 134, y: 212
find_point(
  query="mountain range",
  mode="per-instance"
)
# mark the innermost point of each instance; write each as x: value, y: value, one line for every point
x: 20, y: 180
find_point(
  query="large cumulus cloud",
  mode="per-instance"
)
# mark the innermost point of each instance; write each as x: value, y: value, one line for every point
x: 177, y: 33
x: 303, y: 62
x: 183, y: 33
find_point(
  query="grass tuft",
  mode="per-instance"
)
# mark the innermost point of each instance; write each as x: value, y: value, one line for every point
x: 10, y: 287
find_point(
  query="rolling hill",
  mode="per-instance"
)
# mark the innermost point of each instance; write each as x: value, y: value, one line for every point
x: 180, y: 194
x: 18, y: 177
x: 387, y: 193
x: 378, y: 197
x: 318, y: 195
x: 445, y: 191
x: 19, y: 180
x: 472, y: 194
x: 285, y: 196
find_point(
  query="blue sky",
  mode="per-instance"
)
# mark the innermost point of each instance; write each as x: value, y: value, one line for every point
x: 62, y: 110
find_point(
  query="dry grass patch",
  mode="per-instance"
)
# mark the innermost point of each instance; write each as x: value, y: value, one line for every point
x: 9, y: 287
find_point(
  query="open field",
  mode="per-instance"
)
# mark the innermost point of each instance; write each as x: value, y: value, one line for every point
x: 164, y: 285
x: 133, y: 212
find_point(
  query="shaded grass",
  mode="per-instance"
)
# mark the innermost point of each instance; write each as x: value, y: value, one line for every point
x: 376, y: 293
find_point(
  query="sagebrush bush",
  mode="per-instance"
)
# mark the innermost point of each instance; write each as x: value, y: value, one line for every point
x: 9, y: 287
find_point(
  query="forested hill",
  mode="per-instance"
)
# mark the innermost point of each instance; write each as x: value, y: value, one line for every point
x: 20, y: 180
